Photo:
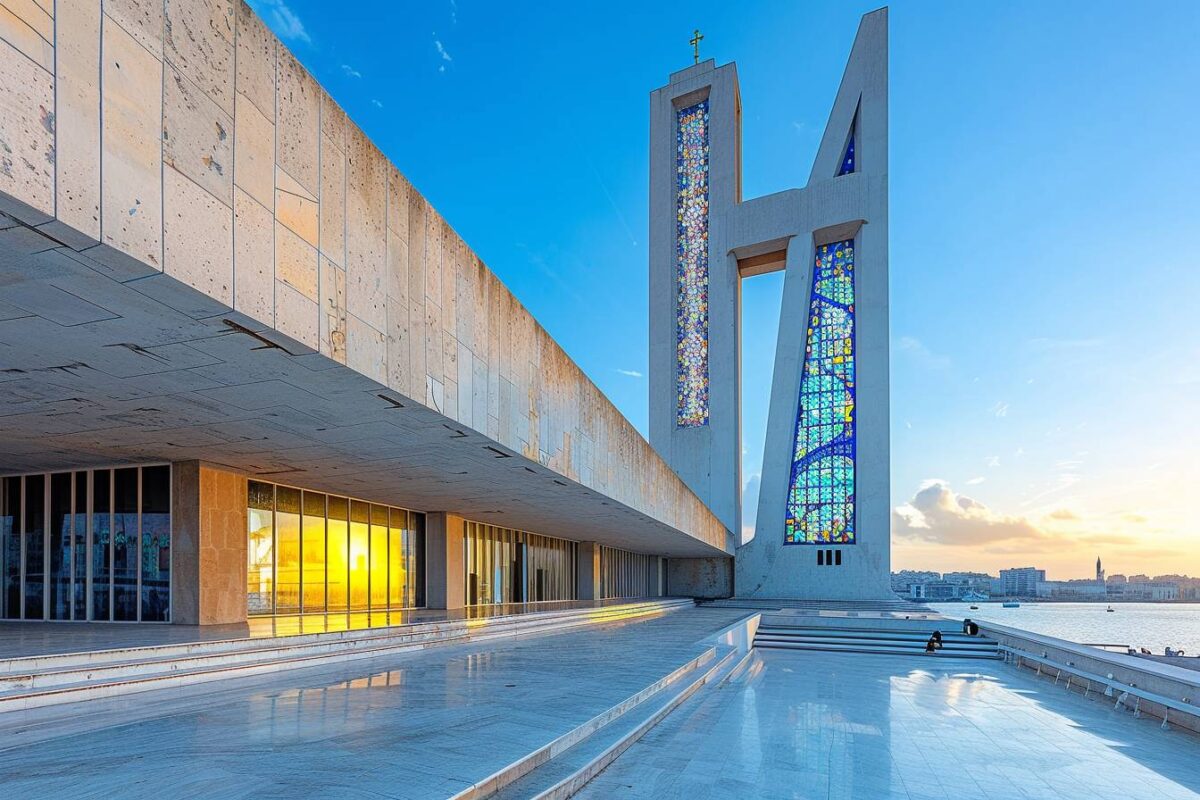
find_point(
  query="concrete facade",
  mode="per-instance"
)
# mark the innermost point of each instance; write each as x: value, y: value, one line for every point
x: 750, y: 237
x: 203, y: 259
x: 208, y: 535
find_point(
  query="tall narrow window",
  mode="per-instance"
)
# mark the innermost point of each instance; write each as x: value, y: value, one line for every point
x: 102, y: 544
x: 60, y: 546
x: 379, y: 557
x: 398, y: 579
x: 820, y: 500
x: 360, y: 553
x: 35, y: 545
x: 313, y: 534
x: 125, y: 544
x: 10, y: 548
x: 156, y: 544
x: 287, y: 550
x: 260, y: 549
x: 691, y: 265
x: 337, y: 554
x: 79, y: 547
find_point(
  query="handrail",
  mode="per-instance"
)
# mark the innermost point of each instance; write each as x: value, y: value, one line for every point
x: 1112, y: 685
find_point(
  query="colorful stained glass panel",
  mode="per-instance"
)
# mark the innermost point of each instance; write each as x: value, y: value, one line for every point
x: 691, y: 265
x: 820, y: 500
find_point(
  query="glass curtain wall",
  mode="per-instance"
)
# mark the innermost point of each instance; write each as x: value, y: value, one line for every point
x: 87, y: 545
x: 309, y: 552
x: 626, y: 574
x: 503, y: 565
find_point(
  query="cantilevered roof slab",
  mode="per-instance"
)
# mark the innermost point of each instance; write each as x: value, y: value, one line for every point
x: 204, y: 259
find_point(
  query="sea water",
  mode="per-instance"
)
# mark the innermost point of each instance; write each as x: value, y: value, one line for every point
x: 1150, y: 625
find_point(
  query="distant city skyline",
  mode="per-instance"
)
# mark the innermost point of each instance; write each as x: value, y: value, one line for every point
x: 1044, y: 386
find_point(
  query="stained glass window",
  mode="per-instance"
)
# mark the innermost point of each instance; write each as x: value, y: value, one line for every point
x: 848, y: 158
x: 820, y: 501
x: 691, y: 265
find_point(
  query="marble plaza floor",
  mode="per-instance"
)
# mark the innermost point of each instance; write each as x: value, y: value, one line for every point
x: 419, y: 724
x: 425, y: 724
x: 829, y: 725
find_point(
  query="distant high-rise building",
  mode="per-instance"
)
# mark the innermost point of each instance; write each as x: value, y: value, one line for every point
x: 1099, y: 571
x: 1020, y: 581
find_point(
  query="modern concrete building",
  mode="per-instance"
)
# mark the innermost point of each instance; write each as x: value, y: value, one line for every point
x: 823, y: 524
x: 245, y: 368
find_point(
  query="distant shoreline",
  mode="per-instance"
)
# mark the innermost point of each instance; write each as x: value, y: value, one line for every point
x: 1049, y: 600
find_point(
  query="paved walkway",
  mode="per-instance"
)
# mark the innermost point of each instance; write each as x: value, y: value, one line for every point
x: 826, y: 725
x: 413, y: 725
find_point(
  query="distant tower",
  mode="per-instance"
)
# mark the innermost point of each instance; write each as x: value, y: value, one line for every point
x: 1099, y: 571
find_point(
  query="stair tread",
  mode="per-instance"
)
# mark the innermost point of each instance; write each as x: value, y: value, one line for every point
x: 283, y: 652
x: 575, y: 758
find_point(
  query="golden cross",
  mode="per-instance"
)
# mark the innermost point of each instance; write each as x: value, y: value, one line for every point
x: 695, y: 43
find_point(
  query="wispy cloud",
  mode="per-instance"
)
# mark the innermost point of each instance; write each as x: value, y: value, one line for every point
x: 921, y: 355
x: 441, y: 49
x: 992, y: 461
x: 1000, y: 409
x: 351, y: 71
x: 281, y: 19
x: 633, y: 373
x: 976, y: 481
x: 376, y: 103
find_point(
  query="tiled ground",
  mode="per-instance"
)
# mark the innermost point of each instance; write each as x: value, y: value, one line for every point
x: 820, y: 725
x: 416, y: 725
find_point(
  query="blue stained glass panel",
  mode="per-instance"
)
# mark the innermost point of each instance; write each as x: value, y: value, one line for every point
x: 848, y: 158
x: 820, y: 500
x: 691, y: 265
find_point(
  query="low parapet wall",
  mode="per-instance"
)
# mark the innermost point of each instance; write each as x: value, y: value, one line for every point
x: 1179, y: 684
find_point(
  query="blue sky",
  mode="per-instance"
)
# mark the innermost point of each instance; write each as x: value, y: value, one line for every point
x: 1044, y: 235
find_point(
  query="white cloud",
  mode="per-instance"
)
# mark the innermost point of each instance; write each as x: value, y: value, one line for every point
x: 441, y: 49
x: 976, y: 481
x: 282, y: 20
x: 1000, y: 409
x: 351, y: 71
x: 633, y: 373
x: 993, y: 461
x: 376, y: 103
x: 938, y: 514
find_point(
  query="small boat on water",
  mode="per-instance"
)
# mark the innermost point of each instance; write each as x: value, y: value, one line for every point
x: 1110, y: 609
x: 974, y: 608
x: 1010, y: 605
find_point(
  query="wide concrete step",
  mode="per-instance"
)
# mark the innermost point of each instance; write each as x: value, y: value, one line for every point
x: 50, y: 680
x: 868, y: 634
x: 863, y: 647
x: 849, y: 640
x: 564, y: 771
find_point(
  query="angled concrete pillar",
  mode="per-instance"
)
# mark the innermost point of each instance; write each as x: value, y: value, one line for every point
x: 444, y: 577
x: 587, y: 572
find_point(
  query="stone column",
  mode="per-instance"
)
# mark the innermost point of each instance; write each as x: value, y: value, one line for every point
x: 444, y: 576
x: 208, y: 539
x: 587, y: 572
